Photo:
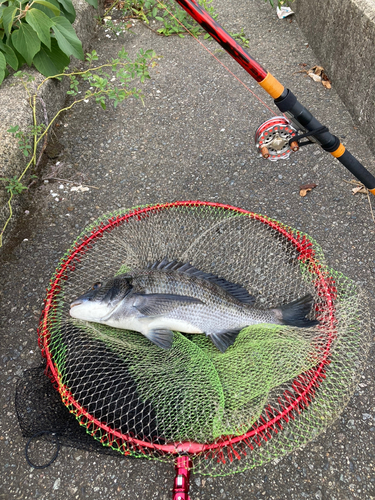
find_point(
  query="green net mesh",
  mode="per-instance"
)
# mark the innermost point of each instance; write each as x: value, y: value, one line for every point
x: 272, y: 391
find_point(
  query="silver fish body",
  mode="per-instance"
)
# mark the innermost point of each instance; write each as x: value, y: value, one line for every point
x: 172, y: 296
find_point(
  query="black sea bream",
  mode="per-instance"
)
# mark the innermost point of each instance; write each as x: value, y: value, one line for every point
x: 172, y: 296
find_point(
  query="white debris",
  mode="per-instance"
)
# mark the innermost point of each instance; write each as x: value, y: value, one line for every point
x: 56, y: 484
x: 315, y: 77
x: 61, y: 186
x: 283, y: 12
x: 80, y: 189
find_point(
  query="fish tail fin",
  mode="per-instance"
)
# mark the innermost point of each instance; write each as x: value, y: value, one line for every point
x: 294, y: 313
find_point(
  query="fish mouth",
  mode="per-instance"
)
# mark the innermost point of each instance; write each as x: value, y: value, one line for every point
x: 87, y: 312
x: 74, y: 304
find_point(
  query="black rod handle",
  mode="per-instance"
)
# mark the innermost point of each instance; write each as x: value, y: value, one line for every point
x: 303, y: 119
x: 358, y: 170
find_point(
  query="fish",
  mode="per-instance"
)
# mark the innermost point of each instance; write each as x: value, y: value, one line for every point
x: 169, y: 296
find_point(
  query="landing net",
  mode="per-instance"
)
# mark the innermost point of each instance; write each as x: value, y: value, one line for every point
x: 272, y: 391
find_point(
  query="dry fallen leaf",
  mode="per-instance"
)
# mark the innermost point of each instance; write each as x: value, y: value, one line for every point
x: 359, y: 189
x: 318, y: 70
x: 303, y: 190
x: 318, y: 75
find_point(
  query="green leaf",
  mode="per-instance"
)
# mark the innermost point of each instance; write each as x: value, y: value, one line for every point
x: 9, y: 14
x: 26, y: 42
x: 13, y: 130
x: 10, y: 55
x: 49, y: 5
x: 21, y: 60
x: 68, y: 6
x: 3, y: 62
x: 70, y: 17
x: 66, y: 37
x: 2, y: 75
x: 94, y: 3
x: 40, y: 23
x: 51, y: 62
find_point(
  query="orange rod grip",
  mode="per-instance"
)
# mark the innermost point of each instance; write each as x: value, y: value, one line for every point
x: 272, y: 86
x: 339, y: 151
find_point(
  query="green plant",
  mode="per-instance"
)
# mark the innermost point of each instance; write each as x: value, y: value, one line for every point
x: 175, y: 20
x: 175, y: 24
x: 39, y: 33
x: 280, y: 3
x: 13, y: 185
x: 107, y: 82
x: 23, y: 139
x: 241, y: 37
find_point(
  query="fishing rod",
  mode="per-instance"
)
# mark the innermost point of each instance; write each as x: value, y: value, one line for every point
x: 277, y: 138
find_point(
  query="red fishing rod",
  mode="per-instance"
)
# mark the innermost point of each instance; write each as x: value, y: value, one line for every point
x: 277, y: 137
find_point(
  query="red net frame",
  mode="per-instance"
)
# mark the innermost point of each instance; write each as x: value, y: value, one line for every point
x: 271, y: 421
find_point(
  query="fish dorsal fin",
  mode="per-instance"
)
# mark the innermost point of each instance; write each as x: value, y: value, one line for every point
x: 237, y: 291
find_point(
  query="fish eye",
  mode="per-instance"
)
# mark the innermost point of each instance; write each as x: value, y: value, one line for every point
x: 96, y: 285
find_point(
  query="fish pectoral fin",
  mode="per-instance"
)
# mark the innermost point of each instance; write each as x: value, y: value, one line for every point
x: 161, y: 337
x: 153, y: 304
x: 222, y: 340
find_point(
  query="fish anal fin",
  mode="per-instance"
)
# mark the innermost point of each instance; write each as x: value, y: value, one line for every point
x: 161, y: 337
x: 222, y: 340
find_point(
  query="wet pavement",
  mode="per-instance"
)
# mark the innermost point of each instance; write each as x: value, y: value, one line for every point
x: 192, y: 139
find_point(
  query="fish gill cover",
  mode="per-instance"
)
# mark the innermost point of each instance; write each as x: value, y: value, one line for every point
x: 273, y: 390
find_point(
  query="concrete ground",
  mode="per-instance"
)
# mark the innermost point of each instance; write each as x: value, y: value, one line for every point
x: 193, y: 139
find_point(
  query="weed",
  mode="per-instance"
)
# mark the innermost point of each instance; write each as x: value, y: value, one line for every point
x: 107, y: 82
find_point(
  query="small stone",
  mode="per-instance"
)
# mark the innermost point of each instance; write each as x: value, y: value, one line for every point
x: 56, y: 484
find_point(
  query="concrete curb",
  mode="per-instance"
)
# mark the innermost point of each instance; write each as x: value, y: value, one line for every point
x: 342, y: 35
x: 15, y: 109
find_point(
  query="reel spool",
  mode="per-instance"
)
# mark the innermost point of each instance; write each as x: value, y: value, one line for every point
x: 272, y: 139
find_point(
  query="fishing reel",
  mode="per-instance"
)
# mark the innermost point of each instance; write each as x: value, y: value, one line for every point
x: 273, y: 139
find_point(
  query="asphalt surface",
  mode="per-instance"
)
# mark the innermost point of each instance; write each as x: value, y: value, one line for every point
x: 193, y: 139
